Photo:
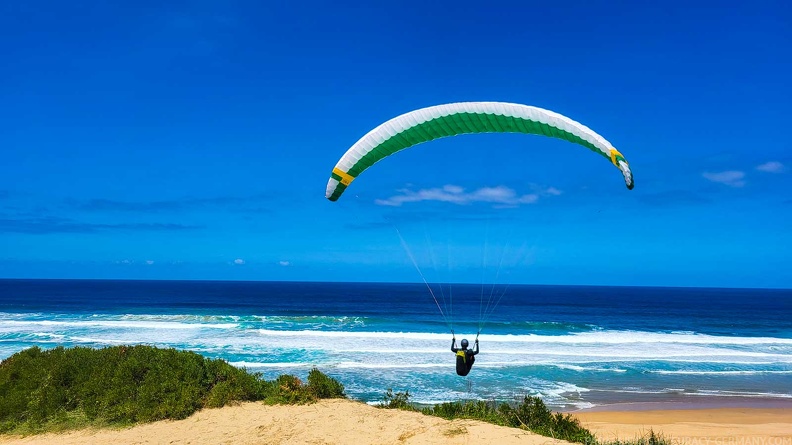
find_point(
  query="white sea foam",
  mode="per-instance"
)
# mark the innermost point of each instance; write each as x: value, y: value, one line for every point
x: 508, y: 366
x: 125, y: 324
x: 568, y: 350
x: 252, y: 365
x: 586, y: 368
x: 746, y: 372
x: 725, y: 393
x: 360, y: 365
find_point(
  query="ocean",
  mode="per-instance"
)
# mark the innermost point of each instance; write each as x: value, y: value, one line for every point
x: 574, y: 346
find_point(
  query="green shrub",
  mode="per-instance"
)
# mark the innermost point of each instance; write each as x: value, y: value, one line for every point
x: 69, y: 388
x: 399, y: 400
x: 479, y: 409
x: 289, y: 390
x: 529, y: 414
x: 651, y: 438
x: 325, y: 387
x: 532, y: 414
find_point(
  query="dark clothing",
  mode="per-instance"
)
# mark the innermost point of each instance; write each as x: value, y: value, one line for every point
x: 464, y: 358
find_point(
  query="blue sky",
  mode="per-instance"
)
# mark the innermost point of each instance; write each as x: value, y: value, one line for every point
x: 194, y: 140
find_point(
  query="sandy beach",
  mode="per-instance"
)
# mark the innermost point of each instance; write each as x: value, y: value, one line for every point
x: 743, y: 426
x: 349, y: 422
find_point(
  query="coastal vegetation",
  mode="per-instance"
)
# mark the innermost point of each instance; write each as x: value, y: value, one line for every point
x: 530, y: 414
x: 70, y: 388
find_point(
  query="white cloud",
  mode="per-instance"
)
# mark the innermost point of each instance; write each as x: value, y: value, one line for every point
x: 284, y: 263
x: 453, y: 188
x: 771, y: 167
x: 500, y: 195
x: 149, y: 262
x: 553, y: 191
x: 239, y: 261
x: 731, y: 178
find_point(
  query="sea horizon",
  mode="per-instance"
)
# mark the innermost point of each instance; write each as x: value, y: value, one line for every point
x: 470, y: 283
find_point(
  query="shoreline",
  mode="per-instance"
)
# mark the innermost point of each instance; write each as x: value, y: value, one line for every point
x: 680, y: 404
x: 707, y: 421
x: 694, y: 426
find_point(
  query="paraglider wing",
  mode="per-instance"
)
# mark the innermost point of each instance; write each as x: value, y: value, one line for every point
x: 426, y: 124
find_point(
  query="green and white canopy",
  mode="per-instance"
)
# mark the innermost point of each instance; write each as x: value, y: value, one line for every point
x: 440, y: 121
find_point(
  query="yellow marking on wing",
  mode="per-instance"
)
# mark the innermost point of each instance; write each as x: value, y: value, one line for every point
x: 346, y: 179
x: 613, y: 155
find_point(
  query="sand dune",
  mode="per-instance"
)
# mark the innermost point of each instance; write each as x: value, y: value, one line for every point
x: 326, y: 422
x: 348, y: 422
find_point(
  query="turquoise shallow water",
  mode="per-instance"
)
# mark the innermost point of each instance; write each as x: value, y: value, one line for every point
x: 576, y: 347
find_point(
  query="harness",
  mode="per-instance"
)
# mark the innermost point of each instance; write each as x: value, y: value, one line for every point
x: 461, y: 353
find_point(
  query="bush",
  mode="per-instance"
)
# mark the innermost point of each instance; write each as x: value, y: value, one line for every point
x: 69, y: 388
x: 649, y: 439
x: 325, y: 387
x: 288, y: 389
x: 531, y: 414
x: 399, y: 400
x: 481, y: 410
